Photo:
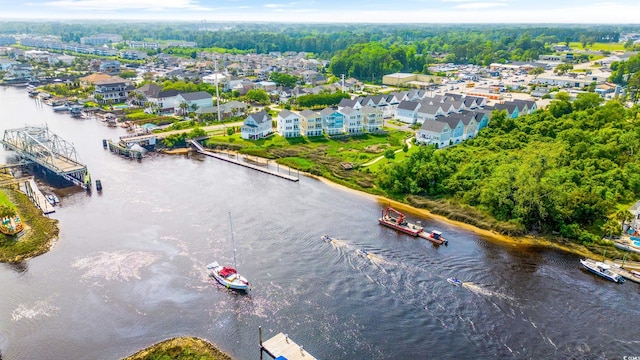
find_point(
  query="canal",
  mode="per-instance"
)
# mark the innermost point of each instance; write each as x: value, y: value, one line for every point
x: 128, y: 271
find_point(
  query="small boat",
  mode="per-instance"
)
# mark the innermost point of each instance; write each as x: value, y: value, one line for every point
x: 52, y: 199
x: 434, y: 236
x: 61, y: 108
x: 327, y: 238
x: 226, y: 275
x: 98, y: 185
x: 362, y: 252
x: 602, y: 269
x: 75, y: 111
x: 454, y: 281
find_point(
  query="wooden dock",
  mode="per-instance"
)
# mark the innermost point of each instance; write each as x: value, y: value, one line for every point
x: 251, y: 165
x: 281, y: 346
x: 625, y: 271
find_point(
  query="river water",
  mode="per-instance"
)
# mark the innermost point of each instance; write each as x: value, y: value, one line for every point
x: 128, y: 271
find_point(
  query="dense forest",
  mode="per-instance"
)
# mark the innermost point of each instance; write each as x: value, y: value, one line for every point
x: 563, y: 169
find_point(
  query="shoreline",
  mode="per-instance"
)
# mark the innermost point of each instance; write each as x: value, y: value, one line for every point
x: 527, y: 241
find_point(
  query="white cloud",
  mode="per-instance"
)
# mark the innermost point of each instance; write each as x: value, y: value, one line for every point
x: 480, y: 5
x: 115, y: 5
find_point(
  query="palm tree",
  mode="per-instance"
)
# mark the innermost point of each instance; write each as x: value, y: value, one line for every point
x: 183, y: 108
x: 623, y: 216
x: 611, y: 228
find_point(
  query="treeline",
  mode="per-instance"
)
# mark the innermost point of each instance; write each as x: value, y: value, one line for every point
x: 326, y: 39
x: 320, y: 100
x: 552, y: 171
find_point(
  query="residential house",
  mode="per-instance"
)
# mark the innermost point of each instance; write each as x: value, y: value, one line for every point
x: 111, y: 67
x: 162, y: 102
x: 288, y: 124
x: 194, y: 100
x: 19, y: 72
x: 511, y: 109
x: 428, y: 111
x: 482, y: 117
x: 352, y: 120
x: 434, y: 132
x: 525, y: 106
x: 115, y: 90
x: 456, y: 125
x: 310, y: 123
x: 407, y: 111
x: 332, y: 121
x: 256, y: 126
x: 352, y: 103
x: 5, y: 64
x: 372, y: 119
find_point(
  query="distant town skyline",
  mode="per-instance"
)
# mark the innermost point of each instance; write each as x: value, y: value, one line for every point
x: 331, y: 11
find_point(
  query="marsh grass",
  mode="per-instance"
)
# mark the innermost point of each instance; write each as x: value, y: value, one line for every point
x: 183, y: 348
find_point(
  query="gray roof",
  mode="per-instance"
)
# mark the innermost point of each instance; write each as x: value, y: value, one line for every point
x: 369, y: 109
x: 453, y: 121
x: 434, y: 126
x: 260, y: 117
x: 150, y: 89
x: 198, y: 95
x: 328, y: 111
x: 408, y: 105
x: 454, y: 96
x: 309, y: 114
x: 286, y: 113
x: 166, y: 94
x: 347, y: 111
x: 428, y: 108
x: 347, y: 102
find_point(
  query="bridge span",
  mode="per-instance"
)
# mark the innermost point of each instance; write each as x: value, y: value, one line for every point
x: 56, y: 158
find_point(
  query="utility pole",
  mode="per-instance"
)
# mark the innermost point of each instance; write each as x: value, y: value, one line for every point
x: 342, y: 82
x: 217, y: 91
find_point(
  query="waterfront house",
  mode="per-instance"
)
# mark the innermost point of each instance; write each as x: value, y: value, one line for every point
x: 256, y: 126
x: 110, y: 67
x: 162, y: 102
x: 407, y: 111
x: 434, y: 132
x: 310, y: 123
x: 194, y: 100
x: 288, y: 124
x: 115, y: 90
x: 227, y: 110
x: 352, y: 120
x: 372, y: 119
x: 332, y: 121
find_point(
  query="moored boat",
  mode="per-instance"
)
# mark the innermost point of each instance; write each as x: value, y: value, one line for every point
x: 601, y: 269
x: 396, y: 220
x: 226, y: 275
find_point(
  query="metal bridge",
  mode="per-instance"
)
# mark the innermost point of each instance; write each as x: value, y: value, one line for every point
x: 40, y: 146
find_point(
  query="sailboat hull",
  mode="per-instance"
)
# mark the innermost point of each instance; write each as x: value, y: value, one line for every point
x: 233, y: 281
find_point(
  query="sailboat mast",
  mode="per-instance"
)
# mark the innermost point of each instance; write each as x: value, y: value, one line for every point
x: 233, y: 240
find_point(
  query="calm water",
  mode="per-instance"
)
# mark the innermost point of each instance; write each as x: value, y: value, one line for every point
x: 129, y: 271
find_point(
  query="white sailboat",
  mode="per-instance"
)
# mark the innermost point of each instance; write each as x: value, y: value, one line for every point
x: 226, y: 275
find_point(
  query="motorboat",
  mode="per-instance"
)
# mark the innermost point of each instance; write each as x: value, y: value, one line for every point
x: 601, y: 269
x: 454, y: 281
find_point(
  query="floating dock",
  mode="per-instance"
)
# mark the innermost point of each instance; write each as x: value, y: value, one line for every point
x: 234, y: 160
x: 282, y: 347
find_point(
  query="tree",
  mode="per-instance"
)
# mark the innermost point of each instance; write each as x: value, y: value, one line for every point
x: 624, y: 216
x: 183, y: 108
x: 611, y: 228
x: 389, y: 154
x: 586, y: 101
x: 257, y: 96
x: 7, y: 211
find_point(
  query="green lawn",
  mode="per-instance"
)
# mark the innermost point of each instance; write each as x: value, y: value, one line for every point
x: 598, y: 46
x: 4, y: 200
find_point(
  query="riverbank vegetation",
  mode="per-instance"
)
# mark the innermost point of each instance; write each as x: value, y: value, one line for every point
x: 40, y: 231
x: 184, y: 348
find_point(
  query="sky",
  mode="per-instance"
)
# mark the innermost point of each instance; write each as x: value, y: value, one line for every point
x: 327, y: 11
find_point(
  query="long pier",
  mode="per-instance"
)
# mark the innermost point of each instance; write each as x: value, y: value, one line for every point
x: 255, y: 166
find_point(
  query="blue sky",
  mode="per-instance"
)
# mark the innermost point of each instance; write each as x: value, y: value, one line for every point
x: 372, y: 11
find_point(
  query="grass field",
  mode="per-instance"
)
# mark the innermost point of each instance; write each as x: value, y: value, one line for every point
x: 599, y: 46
